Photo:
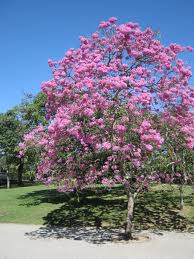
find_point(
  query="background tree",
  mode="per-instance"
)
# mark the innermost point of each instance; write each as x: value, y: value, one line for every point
x: 32, y: 110
x: 32, y: 113
x: 11, y: 131
x: 13, y: 124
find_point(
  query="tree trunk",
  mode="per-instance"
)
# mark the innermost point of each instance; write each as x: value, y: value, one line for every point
x: 181, y: 197
x: 8, y: 181
x: 129, y: 222
x: 20, y: 172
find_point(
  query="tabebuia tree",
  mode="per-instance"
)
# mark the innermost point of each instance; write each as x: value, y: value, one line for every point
x: 107, y: 104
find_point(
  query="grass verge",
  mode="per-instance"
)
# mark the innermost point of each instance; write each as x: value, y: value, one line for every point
x: 157, y: 208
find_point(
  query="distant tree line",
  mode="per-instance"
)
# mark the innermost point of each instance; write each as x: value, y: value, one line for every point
x: 14, y: 123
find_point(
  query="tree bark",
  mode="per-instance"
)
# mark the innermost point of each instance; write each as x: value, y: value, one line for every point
x: 8, y: 180
x: 20, y: 172
x: 129, y: 222
x: 181, y: 197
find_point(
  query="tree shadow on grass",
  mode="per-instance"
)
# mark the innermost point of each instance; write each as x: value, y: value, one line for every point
x: 91, y: 208
x: 44, y: 196
x: 160, y: 210
x: 98, y: 215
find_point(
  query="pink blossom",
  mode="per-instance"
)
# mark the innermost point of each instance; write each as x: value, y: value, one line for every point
x: 104, y: 24
x: 112, y: 19
x: 148, y: 147
x: 120, y: 129
x: 106, y: 145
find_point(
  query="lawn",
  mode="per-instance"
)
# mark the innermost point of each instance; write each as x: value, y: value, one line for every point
x: 156, y: 208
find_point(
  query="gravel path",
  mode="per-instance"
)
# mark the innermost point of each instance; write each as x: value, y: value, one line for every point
x: 37, y: 242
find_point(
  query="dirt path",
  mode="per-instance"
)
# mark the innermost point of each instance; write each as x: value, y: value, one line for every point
x: 36, y: 242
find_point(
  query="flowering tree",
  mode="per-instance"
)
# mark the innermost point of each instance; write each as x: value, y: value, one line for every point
x: 105, y: 103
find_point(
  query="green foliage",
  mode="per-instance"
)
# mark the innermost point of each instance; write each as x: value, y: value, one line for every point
x: 13, y: 125
x: 11, y: 131
x: 32, y: 110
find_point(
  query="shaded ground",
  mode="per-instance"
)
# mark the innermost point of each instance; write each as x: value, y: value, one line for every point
x: 25, y: 241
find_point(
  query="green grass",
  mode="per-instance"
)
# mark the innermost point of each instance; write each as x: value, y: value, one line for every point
x: 156, y: 208
x: 15, y: 209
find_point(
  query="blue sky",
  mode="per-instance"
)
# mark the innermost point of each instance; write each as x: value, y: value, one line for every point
x: 32, y: 31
